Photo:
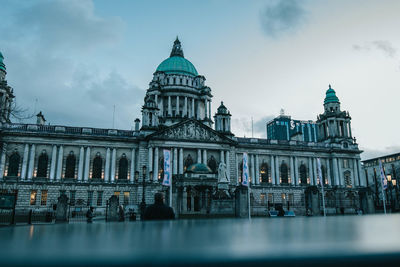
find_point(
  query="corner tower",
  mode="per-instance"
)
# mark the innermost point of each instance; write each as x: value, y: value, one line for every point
x: 223, y: 120
x: 6, y: 94
x: 179, y: 91
x: 334, y: 125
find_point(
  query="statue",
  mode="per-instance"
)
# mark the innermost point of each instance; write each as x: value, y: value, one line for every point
x: 222, y: 177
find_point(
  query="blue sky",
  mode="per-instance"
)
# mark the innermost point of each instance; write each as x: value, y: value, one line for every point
x: 74, y: 60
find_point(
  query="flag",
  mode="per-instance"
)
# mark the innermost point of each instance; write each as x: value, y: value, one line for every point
x: 245, y: 177
x: 383, y: 177
x: 321, y: 182
x: 167, y: 168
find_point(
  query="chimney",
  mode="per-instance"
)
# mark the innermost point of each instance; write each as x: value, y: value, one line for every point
x: 40, y: 119
x: 137, y: 122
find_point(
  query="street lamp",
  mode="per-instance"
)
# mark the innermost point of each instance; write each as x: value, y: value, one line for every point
x: 143, y: 203
x: 390, y: 185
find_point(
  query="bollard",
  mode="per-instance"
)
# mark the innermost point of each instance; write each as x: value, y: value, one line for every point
x: 30, y: 217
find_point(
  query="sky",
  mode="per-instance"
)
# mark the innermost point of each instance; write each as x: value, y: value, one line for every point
x: 79, y: 60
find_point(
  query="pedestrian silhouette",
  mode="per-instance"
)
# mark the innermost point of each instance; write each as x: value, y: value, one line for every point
x: 158, y: 210
x: 90, y: 215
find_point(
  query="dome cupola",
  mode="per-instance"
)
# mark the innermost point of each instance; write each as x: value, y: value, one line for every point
x: 331, y: 96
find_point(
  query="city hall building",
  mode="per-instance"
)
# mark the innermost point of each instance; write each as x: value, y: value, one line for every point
x: 40, y: 162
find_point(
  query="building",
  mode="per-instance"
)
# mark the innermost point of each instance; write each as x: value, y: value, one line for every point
x: 284, y: 127
x: 391, y: 169
x: 89, y: 165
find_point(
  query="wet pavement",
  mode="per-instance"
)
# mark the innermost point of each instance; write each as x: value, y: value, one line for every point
x: 373, y: 239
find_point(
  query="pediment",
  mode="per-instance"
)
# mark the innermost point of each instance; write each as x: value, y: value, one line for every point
x: 190, y: 130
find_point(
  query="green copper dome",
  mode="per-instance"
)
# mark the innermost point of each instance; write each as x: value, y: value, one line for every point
x: 199, y: 168
x: 176, y: 63
x: 331, y: 96
x: 2, y: 65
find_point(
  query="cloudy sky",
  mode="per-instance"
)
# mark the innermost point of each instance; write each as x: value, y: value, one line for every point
x: 76, y: 60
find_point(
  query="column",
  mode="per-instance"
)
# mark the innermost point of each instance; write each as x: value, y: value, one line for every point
x: 169, y: 106
x: 80, y: 166
x: 60, y: 162
x: 315, y: 171
x: 184, y: 199
x: 292, y: 176
x: 228, y: 166
x: 107, y: 166
x: 25, y: 162
x: 87, y: 162
x: 113, y: 163
x: 198, y: 109
x: 221, y: 156
x: 277, y: 173
x: 53, y: 162
x: 361, y: 174
x: 296, y: 170
x: 192, y: 108
x: 205, y: 157
x: 156, y: 158
x: 180, y: 160
x: 273, y: 169
x: 252, y: 169
x: 328, y: 172
x: 185, y: 107
x: 310, y: 171
x: 150, y: 163
x: 3, y: 160
x: 177, y: 106
x: 175, y: 169
x: 205, y: 108
x: 341, y: 179
x: 132, y: 174
x: 198, y: 155
x: 161, y: 106
x: 237, y: 169
x: 209, y: 109
x: 355, y: 173
x: 257, y: 170
x: 31, y: 162
x: 335, y: 171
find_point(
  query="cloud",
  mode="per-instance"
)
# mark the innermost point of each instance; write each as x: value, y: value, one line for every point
x: 374, y: 153
x: 282, y: 16
x: 242, y: 126
x: 385, y: 46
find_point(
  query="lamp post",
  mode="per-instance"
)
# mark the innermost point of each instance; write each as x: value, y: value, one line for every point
x: 390, y: 187
x: 143, y: 203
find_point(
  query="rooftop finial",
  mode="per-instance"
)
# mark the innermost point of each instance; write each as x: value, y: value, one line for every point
x: 330, y: 86
x: 177, y: 49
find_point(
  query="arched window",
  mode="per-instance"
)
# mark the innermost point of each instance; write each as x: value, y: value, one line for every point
x: 323, y: 170
x: 42, y: 165
x: 303, y: 174
x: 264, y: 173
x: 123, y: 168
x: 284, y: 173
x: 212, y: 164
x: 13, y: 165
x: 70, y: 165
x: 97, y: 167
x: 188, y: 162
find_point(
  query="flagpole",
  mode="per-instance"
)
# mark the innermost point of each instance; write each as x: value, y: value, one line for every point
x: 382, y: 183
x: 170, y: 194
x: 322, y: 185
x: 248, y: 199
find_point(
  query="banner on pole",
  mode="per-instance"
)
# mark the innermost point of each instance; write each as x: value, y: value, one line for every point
x: 321, y: 182
x: 167, y: 168
x: 383, y: 176
x: 245, y: 176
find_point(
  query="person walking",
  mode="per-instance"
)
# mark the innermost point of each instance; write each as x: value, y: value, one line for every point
x: 158, y: 210
x: 90, y: 215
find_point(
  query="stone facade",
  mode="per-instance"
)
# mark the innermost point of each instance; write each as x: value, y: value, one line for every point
x: 90, y: 165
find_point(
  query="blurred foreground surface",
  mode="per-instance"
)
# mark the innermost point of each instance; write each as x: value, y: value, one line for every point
x: 301, y: 241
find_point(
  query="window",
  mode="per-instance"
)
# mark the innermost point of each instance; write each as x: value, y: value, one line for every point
x: 324, y: 180
x: 123, y: 168
x: 270, y: 199
x: 291, y: 199
x: 283, y: 196
x: 33, y: 197
x: 161, y: 168
x: 284, y: 173
x: 90, y: 198
x: 97, y: 167
x: 188, y: 162
x: 99, y: 198
x: 262, y: 198
x: 72, y: 195
x: 42, y: 165
x: 116, y: 193
x: 43, y: 199
x: 303, y: 174
x: 212, y: 164
x: 13, y: 165
x: 70, y: 165
x: 345, y: 163
x: 264, y: 178
x: 126, y: 198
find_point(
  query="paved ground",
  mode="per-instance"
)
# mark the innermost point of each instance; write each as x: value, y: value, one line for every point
x: 371, y: 239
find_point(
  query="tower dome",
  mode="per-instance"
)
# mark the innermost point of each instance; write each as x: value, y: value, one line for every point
x: 331, y: 96
x: 2, y: 65
x: 177, y: 63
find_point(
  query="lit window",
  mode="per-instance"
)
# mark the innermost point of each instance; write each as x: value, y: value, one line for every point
x: 262, y: 199
x: 43, y: 200
x: 33, y: 197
